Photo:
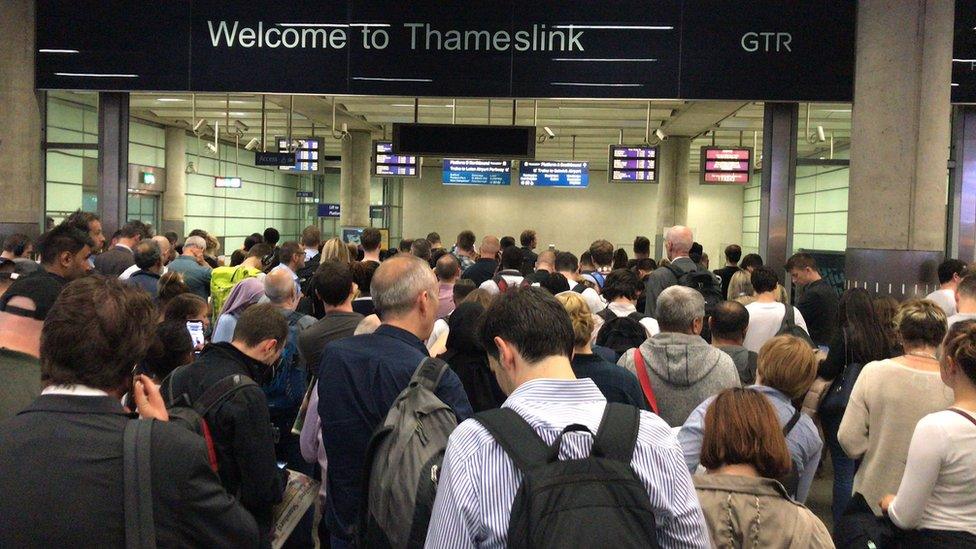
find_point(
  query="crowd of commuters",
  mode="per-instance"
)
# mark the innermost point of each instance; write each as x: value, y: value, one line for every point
x: 683, y: 386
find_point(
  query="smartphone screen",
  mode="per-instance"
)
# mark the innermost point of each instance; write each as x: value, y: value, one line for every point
x: 195, y: 328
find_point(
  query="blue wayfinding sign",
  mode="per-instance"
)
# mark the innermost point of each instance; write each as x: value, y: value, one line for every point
x: 555, y: 174
x: 329, y: 210
x: 477, y: 172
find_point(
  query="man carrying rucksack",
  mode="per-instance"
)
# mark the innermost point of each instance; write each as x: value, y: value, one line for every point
x: 623, y: 326
x: 677, y: 242
x: 496, y: 467
x: 361, y: 377
x: 508, y: 276
x: 240, y: 424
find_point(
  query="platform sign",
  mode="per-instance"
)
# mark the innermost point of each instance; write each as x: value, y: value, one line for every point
x: 633, y: 164
x: 572, y: 175
x: 387, y: 164
x: 277, y: 159
x: 476, y: 172
x: 726, y: 166
x: 329, y: 210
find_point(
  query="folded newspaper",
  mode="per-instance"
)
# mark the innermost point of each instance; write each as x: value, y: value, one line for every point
x: 300, y: 494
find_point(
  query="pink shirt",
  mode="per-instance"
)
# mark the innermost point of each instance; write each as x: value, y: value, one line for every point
x: 445, y: 297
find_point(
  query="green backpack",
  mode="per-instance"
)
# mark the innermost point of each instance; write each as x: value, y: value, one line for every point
x: 223, y: 280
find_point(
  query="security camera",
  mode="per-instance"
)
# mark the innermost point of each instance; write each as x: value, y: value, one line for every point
x: 240, y: 127
x: 660, y: 134
x: 200, y: 127
x: 212, y: 148
x: 252, y: 144
x: 190, y: 168
x: 821, y: 136
x: 549, y: 132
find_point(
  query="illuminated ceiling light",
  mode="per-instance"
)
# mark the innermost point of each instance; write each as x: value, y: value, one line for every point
x: 170, y: 100
x: 95, y: 75
x: 54, y: 50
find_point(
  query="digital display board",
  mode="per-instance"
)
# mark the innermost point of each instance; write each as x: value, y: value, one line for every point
x: 477, y: 172
x: 726, y: 166
x: 387, y: 164
x: 328, y: 210
x: 306, y: 154
x: 573, y: 175
x: 227, y: 182
x: 632, y: 164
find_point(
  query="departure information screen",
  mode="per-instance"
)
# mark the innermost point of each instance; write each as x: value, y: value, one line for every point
x: 306, y: 153
x: 387, y: 164
x: 633, y: 164
x: 477, y: 172
x: 574, y: 175
x: 726, y: 166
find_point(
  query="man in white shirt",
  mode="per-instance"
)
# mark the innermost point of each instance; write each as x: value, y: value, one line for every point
x: 568, y: 265
x: 529, y: 340
x: 766, y: 313
x: 965, y: 301
x: 951, y: 272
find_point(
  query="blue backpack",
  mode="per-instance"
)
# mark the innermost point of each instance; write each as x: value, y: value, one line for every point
x: 286, y: 389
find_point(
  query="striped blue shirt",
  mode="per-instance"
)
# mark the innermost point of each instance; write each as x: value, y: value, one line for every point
x: 479, y: 481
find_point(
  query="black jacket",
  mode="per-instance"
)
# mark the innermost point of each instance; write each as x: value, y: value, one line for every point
x: 468, y: 359
x: 482, y: 271
x: 528, y: 261
x: 61, y: 476
x: 114, y: 262
x: 241, y: 430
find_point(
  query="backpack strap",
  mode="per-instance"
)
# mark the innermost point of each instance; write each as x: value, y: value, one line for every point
x: 788, y: 320
x: 219, y: 391
x: 645, y: 380
x: 792, y: 422
x: 606, y: 314
x: 140, y: 527
x: 638, y: 316
x: 515, y: 436
x: 500, y: 281
x: 963, y: 414
x: 617, y: 436
x: 429, y: 373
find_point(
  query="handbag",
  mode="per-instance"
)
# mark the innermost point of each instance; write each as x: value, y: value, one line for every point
x: 839, y: 394
x: 859, y: 527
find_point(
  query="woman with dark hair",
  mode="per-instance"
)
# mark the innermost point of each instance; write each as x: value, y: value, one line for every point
x: 171, y: 348
x: 860, y: 340
x: 171, y: 285
x: 620, y: 259
x: 189, y: 307
x: 468, y: 358
x: 889, y: 398
x: 935, y: 500
x: 745, y: 453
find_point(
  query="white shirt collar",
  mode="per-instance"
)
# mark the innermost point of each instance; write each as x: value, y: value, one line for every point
x: 73, y: 390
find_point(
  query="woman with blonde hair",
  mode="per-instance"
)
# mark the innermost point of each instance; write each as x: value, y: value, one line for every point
x: 740, y: 288
x: 889, y: 397
x: 744, y: 452
x: 787, y: 368
x: 335, y: 249
x: 616, y: 383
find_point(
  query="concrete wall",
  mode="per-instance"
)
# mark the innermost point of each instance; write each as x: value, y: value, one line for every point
x: 568, y: 218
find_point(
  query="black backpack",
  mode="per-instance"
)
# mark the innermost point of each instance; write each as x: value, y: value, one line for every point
x: 789, y: 327
x: 504, y: 286
x: 597, y: 501
x: 621, y: 333
x: 191, y: 415
x: 704, y: 282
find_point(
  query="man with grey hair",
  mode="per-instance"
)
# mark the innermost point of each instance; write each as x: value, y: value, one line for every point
x: 360, y: 378
x: 196, y: 272
x: 149, y: 260
x: 682, y: 368
x: 677, y: 244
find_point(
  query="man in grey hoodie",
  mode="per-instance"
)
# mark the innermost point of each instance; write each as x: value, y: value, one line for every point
x: 683, y: 368
x: 729, y: 323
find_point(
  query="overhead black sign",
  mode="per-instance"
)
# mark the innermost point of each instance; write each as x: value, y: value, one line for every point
x: 274, y: 159
x: 690, y: 49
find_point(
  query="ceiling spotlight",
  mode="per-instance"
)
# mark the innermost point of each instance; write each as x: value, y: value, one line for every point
x: 252, y: 144
x: 200, y: 127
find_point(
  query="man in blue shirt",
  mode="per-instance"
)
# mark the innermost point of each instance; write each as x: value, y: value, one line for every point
x: 360, y: 377
x: 529, y: 339
x: 195, y: 274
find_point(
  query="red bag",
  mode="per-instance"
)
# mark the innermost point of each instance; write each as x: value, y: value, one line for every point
x: 645, y: 380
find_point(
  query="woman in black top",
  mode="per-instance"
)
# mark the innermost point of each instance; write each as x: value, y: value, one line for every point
x: 860, y: 339
x: 616, y: 383
x: 468, y: 359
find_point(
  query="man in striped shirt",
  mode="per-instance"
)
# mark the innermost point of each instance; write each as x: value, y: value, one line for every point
x: 529, y: 339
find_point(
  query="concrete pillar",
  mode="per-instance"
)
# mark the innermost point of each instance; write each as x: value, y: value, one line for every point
x: 21, y: 173
x: 899, y: 143
x: 778, y: 187
x: 354, y: 179
x: 174, y: 199
x: 672, y: 189
x: 113, y: 159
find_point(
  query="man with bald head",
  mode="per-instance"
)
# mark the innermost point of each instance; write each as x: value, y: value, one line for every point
x: 166, y: 254
x: 677, y: 244
x: 486, y: 265
x: 447, y: 269
x: 360, y: 378
x: 545, y: 265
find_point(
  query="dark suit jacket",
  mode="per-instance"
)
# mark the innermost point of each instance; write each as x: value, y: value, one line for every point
x: 61, y: 476
x: 114, y: 262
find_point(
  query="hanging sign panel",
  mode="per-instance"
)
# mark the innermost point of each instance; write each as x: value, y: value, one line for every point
x: 726, y: 166
x: 387, y: 164
x: 572, y: 175
x: 633, y: 164
x: 685, y: 49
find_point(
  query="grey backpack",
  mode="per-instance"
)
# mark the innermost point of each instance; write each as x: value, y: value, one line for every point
x: 403, y: 462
